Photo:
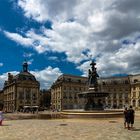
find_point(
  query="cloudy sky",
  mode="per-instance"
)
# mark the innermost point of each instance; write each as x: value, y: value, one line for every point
x: 62, y: 36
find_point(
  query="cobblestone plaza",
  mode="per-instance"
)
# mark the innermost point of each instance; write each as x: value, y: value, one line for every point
x: 69, y: 129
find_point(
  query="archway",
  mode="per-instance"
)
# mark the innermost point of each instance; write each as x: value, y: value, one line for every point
x: 139, y: 103
x: 134, y: 103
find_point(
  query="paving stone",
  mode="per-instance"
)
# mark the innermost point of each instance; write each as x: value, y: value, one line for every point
x: 68, y: 129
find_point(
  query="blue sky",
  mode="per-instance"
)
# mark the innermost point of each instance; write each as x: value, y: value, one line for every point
x: 58, y: 37
x: 12, y: 54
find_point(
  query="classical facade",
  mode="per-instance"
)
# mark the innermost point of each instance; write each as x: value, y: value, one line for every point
x: 64, y: 91
x: 119, y: 90
x: 135, y: 91
x: 123, y: 91
x: 21, y: 90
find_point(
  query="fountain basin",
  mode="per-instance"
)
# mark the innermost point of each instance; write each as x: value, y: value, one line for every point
x: 91, y: 114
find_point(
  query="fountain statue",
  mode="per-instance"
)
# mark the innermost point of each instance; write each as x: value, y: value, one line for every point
x: 92, y: 77
x: 94, y: 98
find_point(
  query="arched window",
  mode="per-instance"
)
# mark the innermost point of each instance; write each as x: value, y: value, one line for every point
x: 34, y: 96
x: 134, y: 103
x: 139, y: 103
x: 135, y: 80
x: 134, y: 94
x: 28, y: 94
x: 21, y: 95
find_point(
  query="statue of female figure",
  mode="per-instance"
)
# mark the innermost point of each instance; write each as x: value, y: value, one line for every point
x: 92, y: 76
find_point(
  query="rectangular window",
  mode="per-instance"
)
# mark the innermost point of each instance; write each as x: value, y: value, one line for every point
x: 134, y: 94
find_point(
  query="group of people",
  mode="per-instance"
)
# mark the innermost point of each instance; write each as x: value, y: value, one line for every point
x: 129, y: 115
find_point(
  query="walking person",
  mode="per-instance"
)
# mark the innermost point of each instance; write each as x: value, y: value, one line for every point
x: 125, y: 117
x: 1, y: 113
x: 131, y: 115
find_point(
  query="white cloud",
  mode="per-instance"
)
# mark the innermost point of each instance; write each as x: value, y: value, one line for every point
x: 84, y: 68
x: 4, y: 77
x: 30, y: 40
x: 1, y: 64
x: 27, y: 55
x: 41, y: 10
x: 124, y: 60
x: 33, y: 9
x: 19, y: 38
x: 39, y: 48
x: 54, y: 58
x: 77, y: 25
x: 46, y: 76
x: 30, y: 61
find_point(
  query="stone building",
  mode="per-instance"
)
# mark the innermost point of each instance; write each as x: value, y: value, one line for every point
x: 135, y: 91
x: 64, y: 91
x: 1, y: 97
x: 45, y: 99
x: 119, y: 91
x: 123, y: 91
x: 21, y: 90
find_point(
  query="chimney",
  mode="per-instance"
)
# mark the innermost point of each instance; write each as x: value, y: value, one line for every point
x: 10, y: 77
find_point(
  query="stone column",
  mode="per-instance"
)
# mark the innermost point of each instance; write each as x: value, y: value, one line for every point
x: 112, y: 101
x: 136, y: 103
x: 117, y: 100
x: 24, y: 95
x: 31, y: 97
x: 131, y: 102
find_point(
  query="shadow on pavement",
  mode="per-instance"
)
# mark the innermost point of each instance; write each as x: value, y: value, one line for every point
x: 136, y: 129
x: 112, y: 121
x: 5, y: 125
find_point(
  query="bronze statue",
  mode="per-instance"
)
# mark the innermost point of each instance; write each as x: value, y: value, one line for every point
x: 92, y: 76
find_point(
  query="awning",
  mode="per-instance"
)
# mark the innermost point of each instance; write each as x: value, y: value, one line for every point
x: 31, y: 107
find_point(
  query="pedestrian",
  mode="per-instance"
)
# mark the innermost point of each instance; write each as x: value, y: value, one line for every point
x: 1, y: 117
x: 125, y: 117
x: 131, y: 115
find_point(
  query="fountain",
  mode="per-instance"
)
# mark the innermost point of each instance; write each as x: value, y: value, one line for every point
x: 93, y: 100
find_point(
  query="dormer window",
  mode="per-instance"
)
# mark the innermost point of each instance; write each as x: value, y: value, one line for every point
x: 135, y: 80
